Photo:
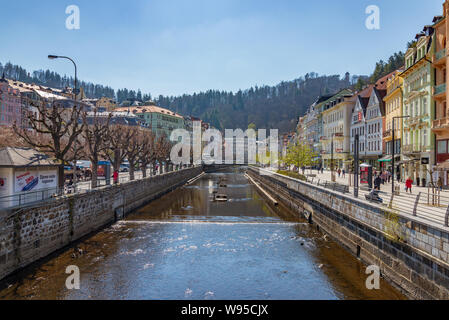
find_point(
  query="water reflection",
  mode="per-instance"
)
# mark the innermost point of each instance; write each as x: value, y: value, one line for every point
x: 186, y: 246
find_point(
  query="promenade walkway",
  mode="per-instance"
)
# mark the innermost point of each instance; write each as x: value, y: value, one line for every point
x: 423, y: 204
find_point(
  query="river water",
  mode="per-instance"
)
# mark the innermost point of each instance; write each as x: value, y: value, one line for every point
x: 186, y: 246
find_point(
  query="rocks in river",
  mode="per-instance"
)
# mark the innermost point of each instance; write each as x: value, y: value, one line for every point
x: 77, y: 252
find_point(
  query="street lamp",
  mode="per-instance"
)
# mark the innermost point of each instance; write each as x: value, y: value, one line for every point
x: 53, y: 57
x: 392, y: 150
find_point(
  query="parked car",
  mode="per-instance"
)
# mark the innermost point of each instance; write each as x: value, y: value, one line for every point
x: 124, y: 168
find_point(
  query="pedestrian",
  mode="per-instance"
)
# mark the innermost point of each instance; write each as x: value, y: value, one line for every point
x: 344, y: 173
x: 408, y: 184
x: 322, y: 170
x: 440, y: 184
x: 377, y: 183
x: 115, y: 177
x: 339, y: 173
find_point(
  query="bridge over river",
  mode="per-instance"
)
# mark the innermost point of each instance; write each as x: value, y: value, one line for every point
x: 185, y: 245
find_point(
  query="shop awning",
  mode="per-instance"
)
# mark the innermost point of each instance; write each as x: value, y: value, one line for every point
x: 385, y: 159
x: 443, y: 165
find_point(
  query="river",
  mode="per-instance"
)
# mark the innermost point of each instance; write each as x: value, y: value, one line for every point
x: 186, y: 246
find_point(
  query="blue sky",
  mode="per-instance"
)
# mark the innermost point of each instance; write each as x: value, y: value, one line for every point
x: 173, y: 47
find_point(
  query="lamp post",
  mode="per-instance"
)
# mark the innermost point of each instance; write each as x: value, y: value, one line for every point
x: 53, y: 57
x: 392, y: 150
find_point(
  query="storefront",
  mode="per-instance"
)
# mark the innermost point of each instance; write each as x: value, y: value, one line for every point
x: 26, y: 176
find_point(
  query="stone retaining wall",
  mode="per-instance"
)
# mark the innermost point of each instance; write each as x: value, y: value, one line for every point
x: 412, y: 255
x: 33, y: 233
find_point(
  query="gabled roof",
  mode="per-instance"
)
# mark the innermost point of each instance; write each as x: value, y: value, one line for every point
x: 23, y: 157
x: 363, y: 97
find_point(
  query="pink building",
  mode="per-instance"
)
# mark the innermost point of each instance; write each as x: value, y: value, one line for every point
x: 10, y: 104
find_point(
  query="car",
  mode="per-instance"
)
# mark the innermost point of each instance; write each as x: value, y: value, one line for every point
x: 124, y: 168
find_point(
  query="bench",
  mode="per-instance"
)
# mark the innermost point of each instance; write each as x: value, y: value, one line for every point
x: 336, y: 187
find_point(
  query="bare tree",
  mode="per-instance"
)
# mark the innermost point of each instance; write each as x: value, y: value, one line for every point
x: 133, y: 149
x: 163, y: 147
x: 118, y: 139
x: 53, y: 131
x: 95, y: 137
x: 147, y: 151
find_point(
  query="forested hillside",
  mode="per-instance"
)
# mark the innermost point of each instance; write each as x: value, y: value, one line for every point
x: 267, y: 107
x: 52, y: 79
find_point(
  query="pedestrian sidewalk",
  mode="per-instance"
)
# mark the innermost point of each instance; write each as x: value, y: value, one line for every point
x: 422, y: 204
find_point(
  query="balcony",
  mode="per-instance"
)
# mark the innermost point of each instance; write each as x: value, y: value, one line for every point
x: 387, y: 134
x: 440, y: 124
x: 440, y: 92
x: 438, y: 59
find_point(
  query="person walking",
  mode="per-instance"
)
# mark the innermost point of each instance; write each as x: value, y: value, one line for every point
x: 377, y: 183
x: 339, y: 172
x: 408, y: 185
x: 344, y: 173
x: 115, y: 177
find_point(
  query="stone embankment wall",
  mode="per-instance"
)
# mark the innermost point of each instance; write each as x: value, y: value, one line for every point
x: 411, y: 254
x: 32, y: 233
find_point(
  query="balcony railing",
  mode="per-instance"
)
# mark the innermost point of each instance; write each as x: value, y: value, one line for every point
x: 440, y: 88
x: 440, y: 123
x: 440, y: 54
x: 413, y: 148
x: 387, y: 133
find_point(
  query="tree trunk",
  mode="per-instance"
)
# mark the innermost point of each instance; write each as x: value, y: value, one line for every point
x: 94, y: 174
x: 61, y: 178
x: 131, y: 170
x: 144, y: 170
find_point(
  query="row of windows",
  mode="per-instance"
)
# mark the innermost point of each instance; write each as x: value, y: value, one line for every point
x: 418, y: 107
x: 335, y: 116
x: 371, y: 146
x: 373, y: 113
x: 360, y: 131
x: 416, y: 137
x: 393, y: 105
x: 416, y: 83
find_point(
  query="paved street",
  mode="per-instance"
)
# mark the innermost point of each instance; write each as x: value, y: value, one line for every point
x: 429, y: 208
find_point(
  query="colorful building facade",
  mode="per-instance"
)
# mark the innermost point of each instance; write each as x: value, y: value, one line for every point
x: 10, y: 104
x: 418, y: 143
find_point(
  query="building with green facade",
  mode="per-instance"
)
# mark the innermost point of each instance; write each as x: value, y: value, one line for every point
x: 418, y: 143
x: 159, y: 120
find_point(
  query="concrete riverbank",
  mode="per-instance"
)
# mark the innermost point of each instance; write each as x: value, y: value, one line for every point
x: 411, y: 254
x: 31, y: 233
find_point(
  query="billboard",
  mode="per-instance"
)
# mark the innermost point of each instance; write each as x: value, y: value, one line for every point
x: 35, y: 180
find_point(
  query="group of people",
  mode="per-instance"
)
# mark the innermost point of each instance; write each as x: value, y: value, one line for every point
x: 341, y: 173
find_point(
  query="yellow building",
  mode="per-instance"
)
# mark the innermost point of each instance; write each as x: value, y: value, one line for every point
x: 393, y: 108
x: 107, y: 103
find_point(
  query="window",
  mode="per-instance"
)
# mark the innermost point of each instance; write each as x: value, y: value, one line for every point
x: 442, y: 147
x: 424, y: 136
